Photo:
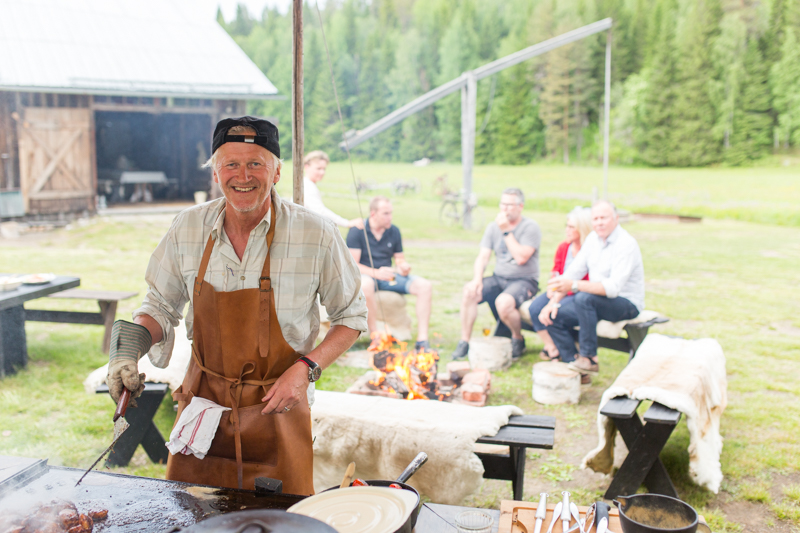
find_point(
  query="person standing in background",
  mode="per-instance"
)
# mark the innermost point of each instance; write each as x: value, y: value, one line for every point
x: 314, y: 166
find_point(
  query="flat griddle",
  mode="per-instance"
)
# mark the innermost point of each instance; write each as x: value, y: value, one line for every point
x: 134, y: 503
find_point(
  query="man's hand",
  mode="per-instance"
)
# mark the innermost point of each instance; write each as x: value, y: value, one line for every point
x: 129, y: 342
x: 548, y: 313
x: 356, y: 223
x: 559, y: 284
x: 502, y: 222
x: 403, y: 268
x: 475, y: 287
x: 290, y: 389
x: 383, y: 273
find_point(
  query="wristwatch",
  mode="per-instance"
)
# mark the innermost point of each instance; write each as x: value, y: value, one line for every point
x: 575, y: 286
x: 314, y: 370
x: 505, y: 234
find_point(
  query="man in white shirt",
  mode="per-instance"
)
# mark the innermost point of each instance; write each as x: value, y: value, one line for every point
x: 613, y: 292
x: 314, y: 166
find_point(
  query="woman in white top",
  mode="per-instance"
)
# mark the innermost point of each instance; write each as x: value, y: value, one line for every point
x: 314, y: 165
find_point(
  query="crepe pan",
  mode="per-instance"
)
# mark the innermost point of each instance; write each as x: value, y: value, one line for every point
x: 413, y: 466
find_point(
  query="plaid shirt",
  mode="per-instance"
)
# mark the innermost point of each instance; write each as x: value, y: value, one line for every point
x: 309, y: 258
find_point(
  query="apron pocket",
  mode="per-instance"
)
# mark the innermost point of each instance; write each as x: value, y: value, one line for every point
x: 258, y: 432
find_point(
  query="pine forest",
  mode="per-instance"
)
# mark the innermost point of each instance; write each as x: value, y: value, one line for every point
x: 694, y: 82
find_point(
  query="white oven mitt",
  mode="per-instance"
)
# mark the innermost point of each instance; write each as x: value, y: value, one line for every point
x: 196, y: 428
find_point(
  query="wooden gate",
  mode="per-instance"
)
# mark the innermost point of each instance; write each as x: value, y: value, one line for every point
x: 55, y: 159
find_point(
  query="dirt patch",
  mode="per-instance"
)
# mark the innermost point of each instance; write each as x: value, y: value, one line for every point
x: 754, y: 517
x: 784, y: 327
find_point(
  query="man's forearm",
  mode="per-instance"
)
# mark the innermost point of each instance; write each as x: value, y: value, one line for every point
x: 152, y: 326
x: 366, y: 270
x: 335, y: 343
x: 479, y: 268
x: 591, y: 287
x: 520, y: 252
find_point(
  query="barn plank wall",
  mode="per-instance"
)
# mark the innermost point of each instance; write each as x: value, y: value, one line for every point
x: 56, y: 170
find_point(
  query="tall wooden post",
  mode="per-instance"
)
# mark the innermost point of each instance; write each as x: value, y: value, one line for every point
x: 297, y: 102
x: 469, y: 103
x: 606, y: 113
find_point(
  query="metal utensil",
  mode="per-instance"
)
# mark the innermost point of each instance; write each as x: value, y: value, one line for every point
x: 588, y: 521
x: 573, y: 509
x: 120, y: 425
x: 348, y: 475
x: 541, y: 512
x: 556, y: 513
x: 413, y: 466
x: 565, y: 513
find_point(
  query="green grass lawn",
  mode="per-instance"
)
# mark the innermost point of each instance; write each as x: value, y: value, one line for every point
x: 728, y: 278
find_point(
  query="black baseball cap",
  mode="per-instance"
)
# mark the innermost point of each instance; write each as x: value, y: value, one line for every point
x: 266, y: 134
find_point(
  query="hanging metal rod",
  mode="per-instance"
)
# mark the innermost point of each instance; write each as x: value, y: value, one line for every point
x: 354, y: 138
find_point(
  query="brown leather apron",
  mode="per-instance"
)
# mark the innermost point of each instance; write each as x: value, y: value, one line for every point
x: 238, y: 352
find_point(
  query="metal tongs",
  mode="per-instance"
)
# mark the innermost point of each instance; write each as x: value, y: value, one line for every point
x: 596, y: 516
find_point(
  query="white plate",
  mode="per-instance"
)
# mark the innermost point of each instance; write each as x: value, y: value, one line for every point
x: 360, y: 509
x: 9, y: 283
x: 38, y: 279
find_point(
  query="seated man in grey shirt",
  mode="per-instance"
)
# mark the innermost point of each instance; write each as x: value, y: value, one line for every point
x: 515, y: 241
x: 614, y: 291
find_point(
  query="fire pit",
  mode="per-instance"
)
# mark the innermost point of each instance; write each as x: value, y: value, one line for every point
x: 402, y: 374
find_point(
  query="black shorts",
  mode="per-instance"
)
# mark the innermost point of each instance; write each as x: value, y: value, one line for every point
x: 521, y: 289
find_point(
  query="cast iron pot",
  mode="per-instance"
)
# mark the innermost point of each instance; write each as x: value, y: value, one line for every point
x: 654, y: 513
x: 418, y: 461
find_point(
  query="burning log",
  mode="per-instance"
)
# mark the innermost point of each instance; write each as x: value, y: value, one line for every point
x: 394, y: 382
x: 410, y: 374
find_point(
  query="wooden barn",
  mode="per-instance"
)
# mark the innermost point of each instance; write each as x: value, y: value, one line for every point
x: 100, y: 97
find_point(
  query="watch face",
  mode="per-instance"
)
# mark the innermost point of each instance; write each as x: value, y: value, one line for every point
x: 314, y: 373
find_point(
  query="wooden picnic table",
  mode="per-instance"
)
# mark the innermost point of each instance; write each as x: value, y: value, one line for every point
x: 13, y: 343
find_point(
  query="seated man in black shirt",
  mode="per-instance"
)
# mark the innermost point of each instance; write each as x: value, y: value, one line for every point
x: 385, y: 243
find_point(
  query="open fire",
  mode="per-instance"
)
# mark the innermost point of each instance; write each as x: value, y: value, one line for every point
x: 410, y: 374
x: 399, y: 373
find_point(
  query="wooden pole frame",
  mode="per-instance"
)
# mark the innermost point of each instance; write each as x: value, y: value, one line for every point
x: 297, y: 102
x: 606, y: 113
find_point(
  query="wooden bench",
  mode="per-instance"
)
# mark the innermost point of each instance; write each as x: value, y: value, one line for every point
x: 142, y: 431
x: 506, y: 460
x: 636, y: 334
x: 107, y: 300
x: 644, y: 442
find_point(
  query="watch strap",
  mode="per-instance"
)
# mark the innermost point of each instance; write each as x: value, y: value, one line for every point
x: 308, y: 362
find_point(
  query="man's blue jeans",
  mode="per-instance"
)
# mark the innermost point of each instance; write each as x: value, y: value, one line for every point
x: 584, y: 310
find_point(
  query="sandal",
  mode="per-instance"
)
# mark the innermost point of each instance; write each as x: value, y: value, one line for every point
x: 544, y: 355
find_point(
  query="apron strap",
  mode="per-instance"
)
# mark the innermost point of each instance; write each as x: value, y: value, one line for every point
x: 201, y: 273
x: 265, y: 295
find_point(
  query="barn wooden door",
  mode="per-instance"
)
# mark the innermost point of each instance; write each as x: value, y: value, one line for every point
x: 55, y: 159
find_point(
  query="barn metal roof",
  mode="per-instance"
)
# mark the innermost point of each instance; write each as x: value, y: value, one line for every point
x: 122, y: 47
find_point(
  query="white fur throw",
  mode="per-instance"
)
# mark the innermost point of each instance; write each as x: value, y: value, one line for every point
x: 686, y: 375
x: 605, y: 329
x: 383, y: 435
